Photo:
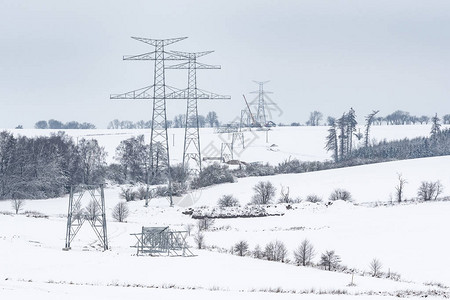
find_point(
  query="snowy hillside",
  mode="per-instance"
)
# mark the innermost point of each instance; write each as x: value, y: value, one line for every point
x: 280, y: 143
x: 408, y: 238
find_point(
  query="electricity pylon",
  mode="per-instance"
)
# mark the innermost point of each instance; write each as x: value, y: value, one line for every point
x: 261, y: 110
x: 192, y: 94
x: 159, y: 142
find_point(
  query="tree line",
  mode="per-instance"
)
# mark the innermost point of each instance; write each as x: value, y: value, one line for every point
x: 55, y: 124
x: 179, y: 121
x: 43, y: 167
x: 398, y: 117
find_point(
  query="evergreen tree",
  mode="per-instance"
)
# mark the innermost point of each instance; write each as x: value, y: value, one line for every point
x: 332, y: 141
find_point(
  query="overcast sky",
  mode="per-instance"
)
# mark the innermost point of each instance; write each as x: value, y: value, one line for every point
x: 62, y: 59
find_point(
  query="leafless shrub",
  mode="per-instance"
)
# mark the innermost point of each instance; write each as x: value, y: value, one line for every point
x: 141, y: 192
x: 120, y: 212
x: 313, y: 198
x: 199, y: 239
x: 228, y: 201
x: 35, y: 214
x: 304, y: 253
x: 340, y: 194
x: 429, y: 190
x: 241, y: 248
x: 285, y: 197
x: 17, y: 205
x: 128, y: 194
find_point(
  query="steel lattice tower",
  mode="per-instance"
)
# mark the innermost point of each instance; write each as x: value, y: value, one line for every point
x: 95, y: 216
x: 159, y: 142
x: 261, y: 110
x: 192, y: 94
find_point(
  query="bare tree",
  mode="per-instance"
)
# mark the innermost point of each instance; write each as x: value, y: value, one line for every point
x: 189, y: 228
x: 429, y: 190
x: 120, y: 211
x: 264, y: 192
x: 17, y: 204
x: 375, y: 267
x: 92, y: 210
x: 400, y: 187
x: 330, y: 260
x: 199, y: 239
x: 285, y: 198
x: 241, y: 248
x: 369, y: 120
x: 228, y: 201
x: 304, y: 253
x: 257, y: 252
x: 205, y: 224
x: 275, y: 251
x: 314, y: 118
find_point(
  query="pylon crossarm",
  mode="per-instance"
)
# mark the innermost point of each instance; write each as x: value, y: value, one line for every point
x: 190, y: 65
x: 145, y: 56
x: 142, y: 93
x: 202, y: 94
x: 153, y: 55
x: 192, y: 55
x: 156, y: 42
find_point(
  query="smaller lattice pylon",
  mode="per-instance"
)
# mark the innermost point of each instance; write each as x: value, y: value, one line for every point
x: 191, y: 150
x: 226, y: 152
x: 94, y: 214
x: 261, y: 117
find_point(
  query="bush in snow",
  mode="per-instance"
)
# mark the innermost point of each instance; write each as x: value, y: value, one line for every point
x: 340, y: 194
x: 141, y: 192
x: 264, y: 193
x: 228, y: 201
x: 241, y: 248
x: 313, y: 198
x: 429, y: 190
x: 199, y: 239
x: 330, y: 260
x: 286, y: 198
x: 275, y: 251
x: 128, y: 194
x: 213, y: 174
x: 257, y: 169
x: 120, y: 211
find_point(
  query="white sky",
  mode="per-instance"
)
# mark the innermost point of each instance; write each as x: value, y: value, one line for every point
x: 62, y: 59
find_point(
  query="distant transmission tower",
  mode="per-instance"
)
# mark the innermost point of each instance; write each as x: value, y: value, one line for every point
x: 192, y: 94
x: 159, y: 142
x: 261, y: 110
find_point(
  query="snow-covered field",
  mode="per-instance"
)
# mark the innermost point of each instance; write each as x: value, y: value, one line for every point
x: 410, y: 239
x: 304, y: 143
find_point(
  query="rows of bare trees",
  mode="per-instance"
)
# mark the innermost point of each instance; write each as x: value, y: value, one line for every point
x: 179, y: 121
x: 43, y: 167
